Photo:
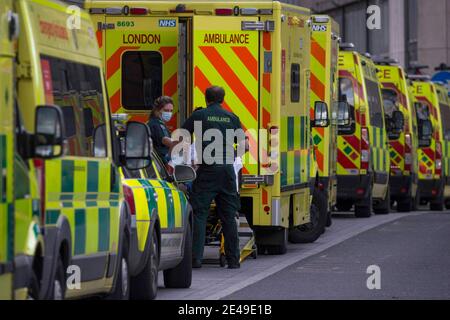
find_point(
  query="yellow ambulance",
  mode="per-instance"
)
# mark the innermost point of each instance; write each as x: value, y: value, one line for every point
x: 154, y: 48
x: 403, y: 142
x: 323, y: 81
x: 430, y: 155
x: 363, y: 158
x: 67, y: 141
x: 444, y: 108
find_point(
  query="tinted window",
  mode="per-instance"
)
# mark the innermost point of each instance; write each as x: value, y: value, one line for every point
x: 445, y: 115
x: 375, y: 106
x: 77, y: 89
x: 142, y: 81
x: 295, y: 82
x: 347, y: 94
x: 390, y: 100
x: 422, y: 111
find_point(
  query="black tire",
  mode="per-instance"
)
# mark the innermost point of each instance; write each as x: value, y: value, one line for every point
x: 281, y: 248
x: 33, y: 287
x: 121, y: 290
x: 329, y: 220
x: 344, y: 205
x: 181, y: 275
x: 384, y: 206
x: 405, y: 205
x: 416, y: 201
x: 447, y: 205
x: 261, y: 249
x: 363, y: 209
x: 144, y: 286
x: 310, y: 232
x: 437, y: 205
x: 59, y: 284
x: 222, y: 260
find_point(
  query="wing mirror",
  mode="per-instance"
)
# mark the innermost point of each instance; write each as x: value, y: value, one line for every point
x: 183, y: 173
x: 138, y: 146
x: 321, y: 119
x: 49, y: 128
x: 343, y: 114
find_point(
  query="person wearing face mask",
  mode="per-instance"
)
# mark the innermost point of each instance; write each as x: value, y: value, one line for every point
x: 159, y: 116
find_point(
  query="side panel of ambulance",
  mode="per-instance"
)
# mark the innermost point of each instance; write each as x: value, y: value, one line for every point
x: 444, y: 107
x: 431, y: 184
x: 363, y: 159
x: 81, y: 201
x: 324, y: 80
x: 402, y: 133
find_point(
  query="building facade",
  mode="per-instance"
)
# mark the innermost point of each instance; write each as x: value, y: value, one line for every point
x: 412, y: 31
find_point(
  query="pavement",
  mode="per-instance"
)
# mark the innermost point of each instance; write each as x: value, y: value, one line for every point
x: 411, y: 251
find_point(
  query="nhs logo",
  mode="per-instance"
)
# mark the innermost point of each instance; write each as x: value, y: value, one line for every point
x: 319, y: 28
x: 167, y: 23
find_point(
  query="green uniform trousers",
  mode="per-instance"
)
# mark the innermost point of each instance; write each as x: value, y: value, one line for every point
x: 216, y: 182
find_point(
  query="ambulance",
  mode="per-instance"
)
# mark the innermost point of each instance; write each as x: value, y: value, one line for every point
x: 402, y: 133
x: 363, y: 157
x: 74, y: 241
x: 259, y: 53
x: 444, y: 108
x: 323, y: 81
x: 431, y: 154
x: 21, y: 241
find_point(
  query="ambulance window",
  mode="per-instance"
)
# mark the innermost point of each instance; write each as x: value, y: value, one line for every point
x: 77, y: 89
x: 141, y: 79
x: 295, y: 82
x: 375, y: 106
x: 390, y: 100
x: 347, y: 93
x: 445, y: 115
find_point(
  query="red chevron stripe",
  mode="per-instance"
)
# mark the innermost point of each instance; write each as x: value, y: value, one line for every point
x: 318, y: 52
x: 232, y: 80
x: 167, y: 52
x: 113, y: 63
x: 317, y: 87
x: 353, y: 141
x: 344, y: 161
x: 171, y: 85
x: 398, y: 147
x: 114, y: 101
x: 247, y: 59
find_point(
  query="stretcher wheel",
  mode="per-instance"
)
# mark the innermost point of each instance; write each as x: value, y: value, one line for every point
x: 222, y: 260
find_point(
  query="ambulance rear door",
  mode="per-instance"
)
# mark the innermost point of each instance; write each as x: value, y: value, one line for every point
x: 141, y: 58
x: 226, y: 55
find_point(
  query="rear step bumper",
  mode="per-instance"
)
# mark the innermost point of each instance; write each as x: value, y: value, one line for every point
x: 400, y: 187
x: 348, y: 187
x: 426, y: 188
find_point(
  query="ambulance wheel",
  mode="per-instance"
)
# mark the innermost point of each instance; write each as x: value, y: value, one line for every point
x: 222, y: 260
x: 405, y: 205
x: 181, y: 275
x: 363, y: 209
x: 329, y: 220
x: 59, y: 284
x: 310, y: 232
x: 33, y: 287
x: 437, y: 205
x: 145, y: 285
x: 344, y: 205
x: 383, y: 207
x: 447, y: 205
x: 121, y: 290
x: 281, y: 248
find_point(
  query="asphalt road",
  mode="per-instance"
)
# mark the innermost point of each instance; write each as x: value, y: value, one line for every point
x: 413, y: 254
x: 411, y: 250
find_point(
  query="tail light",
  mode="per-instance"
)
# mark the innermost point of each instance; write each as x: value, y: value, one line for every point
x: 408, y: 149
x: 365, y: 150
x: 138, y: 11
x: 224, y: 12
x: 438, y: 158
x: 39, y: 164
x: 129, y: 198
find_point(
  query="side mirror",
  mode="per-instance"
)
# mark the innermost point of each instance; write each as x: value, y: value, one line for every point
x: 398, y: 121
x: 183, y: 173
x: 425, y: 133
x: 49, y: 128
x: 99, y: 141
x: 321, y: 119
x: 343, y: 114
x: 138, y: 146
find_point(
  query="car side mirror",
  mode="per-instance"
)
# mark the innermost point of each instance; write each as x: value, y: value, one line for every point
x: 321, y: 119
x: 398, y: 121
x: 343, y: 114
x: 183, y: 173
x: 49, y: 128
x: 425, y: 133
x: 138, y: 146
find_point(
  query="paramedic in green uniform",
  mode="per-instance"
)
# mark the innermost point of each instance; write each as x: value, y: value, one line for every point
x: 161, y: 113
x: 216, y: 179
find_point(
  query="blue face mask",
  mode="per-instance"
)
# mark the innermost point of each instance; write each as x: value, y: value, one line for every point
x: 166, y: 116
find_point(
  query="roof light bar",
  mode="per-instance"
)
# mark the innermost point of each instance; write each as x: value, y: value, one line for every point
x: 114, y: 11
x: 139, y: 11
x: 321, y: 19
x: 224, y: 12
x: 249, y: 11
